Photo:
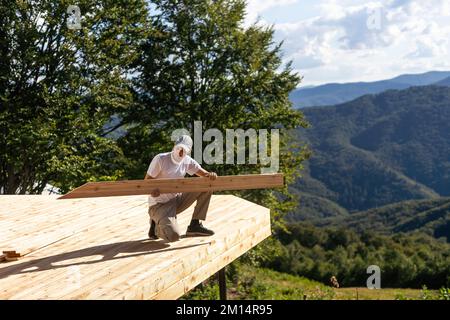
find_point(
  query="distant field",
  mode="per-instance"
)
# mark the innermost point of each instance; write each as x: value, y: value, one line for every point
x: 383, y: 294
x: 265, y: 284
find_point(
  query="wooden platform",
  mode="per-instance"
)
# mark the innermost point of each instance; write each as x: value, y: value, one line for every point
x: 97, y: 248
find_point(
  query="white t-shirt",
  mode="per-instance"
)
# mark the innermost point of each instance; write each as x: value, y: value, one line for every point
x: 162, y: 166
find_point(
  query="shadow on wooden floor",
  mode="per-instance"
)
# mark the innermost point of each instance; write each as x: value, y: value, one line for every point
x: 109, y: 251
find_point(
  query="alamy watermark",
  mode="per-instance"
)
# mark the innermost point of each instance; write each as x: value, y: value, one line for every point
x: 376, y: 18
x: 74, y: 18
x: 374, y: 281
x: 232, y: 147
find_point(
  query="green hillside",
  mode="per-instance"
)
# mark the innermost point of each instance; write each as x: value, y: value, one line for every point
x: 429, y: 216
x: 315, y: 208
x: 265, y: 284
x: 376, y: 150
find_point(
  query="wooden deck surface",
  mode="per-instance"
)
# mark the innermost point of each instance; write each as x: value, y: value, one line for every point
x: 97, y: 248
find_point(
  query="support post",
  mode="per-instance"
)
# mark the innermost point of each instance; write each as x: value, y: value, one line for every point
x: 222, y: 284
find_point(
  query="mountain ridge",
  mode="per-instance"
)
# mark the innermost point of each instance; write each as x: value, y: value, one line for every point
x: 337, y: 93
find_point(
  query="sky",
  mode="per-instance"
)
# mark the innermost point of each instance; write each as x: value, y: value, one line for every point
x: 353, y: 40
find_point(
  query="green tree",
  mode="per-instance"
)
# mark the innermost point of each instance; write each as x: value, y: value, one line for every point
x: 59, y: 86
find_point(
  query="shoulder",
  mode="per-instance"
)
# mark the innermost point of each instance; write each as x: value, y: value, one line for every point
x: 190, y: 160
x: 163, y: 156
x: 160, y: 157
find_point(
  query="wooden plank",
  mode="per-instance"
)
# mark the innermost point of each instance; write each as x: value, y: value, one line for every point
x: 140, y: 187
x: 13, y: 254
x: 9, y: 251
x: 8, y: 258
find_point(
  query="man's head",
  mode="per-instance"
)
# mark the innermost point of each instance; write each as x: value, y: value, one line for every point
x: 182, y: 147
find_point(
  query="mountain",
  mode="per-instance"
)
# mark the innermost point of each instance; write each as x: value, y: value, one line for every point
x: 445, y: 82
x: 374, y: 151
x: 428, y: 216
x: 335, y: 93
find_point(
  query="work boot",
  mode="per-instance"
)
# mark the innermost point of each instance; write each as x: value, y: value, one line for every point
x: 152, y: 233
x: 197, y: 229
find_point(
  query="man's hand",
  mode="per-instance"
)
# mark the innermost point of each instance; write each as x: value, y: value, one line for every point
x: 155, y: 193
x: 211, y: 175
x: 203, y: 173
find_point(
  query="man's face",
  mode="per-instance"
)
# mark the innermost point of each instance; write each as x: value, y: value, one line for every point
x: 178, y: 154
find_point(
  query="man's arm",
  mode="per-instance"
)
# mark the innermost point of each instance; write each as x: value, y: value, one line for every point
x: 155, y: 193
x: 203, y: 173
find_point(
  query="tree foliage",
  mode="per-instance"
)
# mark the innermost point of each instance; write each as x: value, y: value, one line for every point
x: 58, y: 88
x: 405, y: 260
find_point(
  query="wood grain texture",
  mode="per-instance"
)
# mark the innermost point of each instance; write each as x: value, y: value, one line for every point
x: 39, y: 229
x: 140, y: 187
x: 97, y: 248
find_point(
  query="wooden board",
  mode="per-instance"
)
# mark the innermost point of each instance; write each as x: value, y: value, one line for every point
x: 109, y: 256
x: 138, y: 187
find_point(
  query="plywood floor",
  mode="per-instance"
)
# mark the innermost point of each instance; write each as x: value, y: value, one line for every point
x: 97, y: 248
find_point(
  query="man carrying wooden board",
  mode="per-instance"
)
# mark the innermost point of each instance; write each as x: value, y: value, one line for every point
x: 164, y: 208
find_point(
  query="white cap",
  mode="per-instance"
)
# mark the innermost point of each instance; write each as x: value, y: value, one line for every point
x: 185, y: 142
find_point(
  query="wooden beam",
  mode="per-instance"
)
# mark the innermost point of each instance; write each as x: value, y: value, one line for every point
x: 12, y: 254
x: 139, y: 187
x: 221, y: 275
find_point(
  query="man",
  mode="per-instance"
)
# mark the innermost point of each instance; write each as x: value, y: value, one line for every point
x: 163, y: 208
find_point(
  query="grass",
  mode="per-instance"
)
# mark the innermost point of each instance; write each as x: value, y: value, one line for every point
x: 382, y: 294
x: 264, y: 284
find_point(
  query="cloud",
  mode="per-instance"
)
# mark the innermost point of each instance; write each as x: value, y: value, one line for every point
x: 307, y: 44
x: 256, y: 7
x: 351, y: 41
x: 433, y: 42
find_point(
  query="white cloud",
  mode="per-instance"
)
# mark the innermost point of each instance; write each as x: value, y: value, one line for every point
x: 308, y: 44
x: 432, y: 42
x: 350, y: 41
x: 256, y: 7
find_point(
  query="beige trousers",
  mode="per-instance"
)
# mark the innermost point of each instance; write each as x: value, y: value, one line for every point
x: 165, y: 214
